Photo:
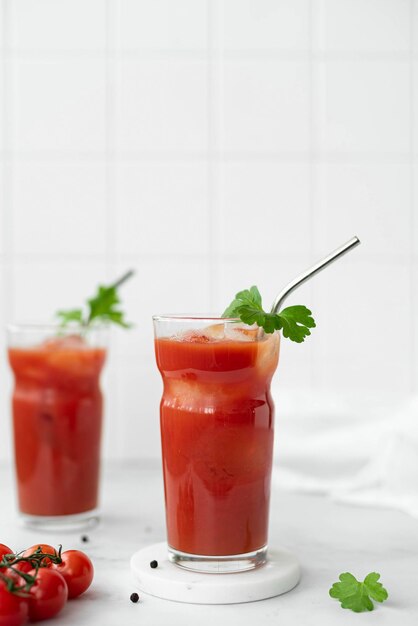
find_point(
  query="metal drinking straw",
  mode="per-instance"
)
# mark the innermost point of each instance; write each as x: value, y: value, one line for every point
x: 123, y: 279
x: 307, y: 274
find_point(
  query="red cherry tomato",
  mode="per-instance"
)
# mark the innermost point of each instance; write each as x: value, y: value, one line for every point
x: 77, y: 570
x: 13, y: 608
x: 48, y: 594
x: 10, y: 573
x: 45, y: 547
x: 23, y: 566
x: 4, y: 550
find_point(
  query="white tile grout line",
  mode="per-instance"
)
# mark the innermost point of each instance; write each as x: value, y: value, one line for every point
x: 213, y: 166
x: 110, y: 255
x: 8, y: 167
x: 200, y: 55
x: 312, y: 171
x: 210, y: 147
x: 109, y: 105
x: 220, y: 64
x: 78, y: 259
x: 412, y: 263
x: 158, y: 157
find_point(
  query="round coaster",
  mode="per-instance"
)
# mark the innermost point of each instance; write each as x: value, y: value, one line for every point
x: 280, y: 574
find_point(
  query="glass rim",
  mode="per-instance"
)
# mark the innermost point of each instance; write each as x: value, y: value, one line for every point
x: 176, y: 317
x: 39, y: 327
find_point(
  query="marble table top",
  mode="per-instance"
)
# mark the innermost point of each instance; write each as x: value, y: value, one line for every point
x: 328, y: 539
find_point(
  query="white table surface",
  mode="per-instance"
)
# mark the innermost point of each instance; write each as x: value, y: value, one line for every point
x: 328, y: 539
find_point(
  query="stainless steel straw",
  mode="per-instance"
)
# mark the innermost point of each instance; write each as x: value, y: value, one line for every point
x: 307, y: 274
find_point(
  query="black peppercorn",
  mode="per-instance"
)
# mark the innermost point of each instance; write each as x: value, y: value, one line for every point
x: 153, y: 564
x: 134, y: 597
x: 84, y: 538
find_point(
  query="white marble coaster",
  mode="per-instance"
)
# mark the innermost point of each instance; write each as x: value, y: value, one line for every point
x: 280, y: 574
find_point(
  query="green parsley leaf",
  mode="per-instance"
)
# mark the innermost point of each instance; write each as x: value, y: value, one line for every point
x: 297, y: 320
x: 355, y: 595
x: 72, y: 315
x: 102, y: 307
x: 249, y: 297
x: 294, y: 320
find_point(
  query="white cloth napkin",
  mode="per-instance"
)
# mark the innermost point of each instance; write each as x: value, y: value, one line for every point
x: 360, y: 449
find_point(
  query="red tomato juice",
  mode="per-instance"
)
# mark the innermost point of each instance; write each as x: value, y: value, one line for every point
x: 217, y: 441
x: 57, y: 417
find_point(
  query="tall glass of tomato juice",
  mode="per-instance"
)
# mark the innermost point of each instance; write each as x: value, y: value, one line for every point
x: 217, y: 419
x: 57, y: 407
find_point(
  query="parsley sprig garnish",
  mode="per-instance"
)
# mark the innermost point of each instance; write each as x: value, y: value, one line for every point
x: 102, y: 307
x: 356, y: 595
x: 294, y: 321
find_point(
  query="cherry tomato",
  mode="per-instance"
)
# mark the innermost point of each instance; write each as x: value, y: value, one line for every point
x: 48, y: 594
x: 13, y: 608
x: 10, y: 573
x: 4, y: 550
x: 23, y: 566
x: 46, y: 548
x: 77, y: 570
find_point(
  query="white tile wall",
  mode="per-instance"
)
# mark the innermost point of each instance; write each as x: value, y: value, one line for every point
x: 414, y: 213
x: 414, y: 97
x: 59, y: 209
x: 2, y: 28
x: 160, y: 25
x: 5, y: 438
x: 363, y: 25
x: 265, y: 105
x: 160, y: 105
x: 369, y: 198
x: 2, y: 102
x: 363, y: 106
x: 3, y: 199
x: 67, y: 25
x: 212, y: 144
x: 265, y: 25
x: 365, y: 295
x: 40, y: 285
x: 256, y: 195
x: 59, y: 105
x: 162, y: 202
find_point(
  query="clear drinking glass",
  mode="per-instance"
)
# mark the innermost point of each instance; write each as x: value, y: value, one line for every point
x: 57, y: 408
x: 217, y: 419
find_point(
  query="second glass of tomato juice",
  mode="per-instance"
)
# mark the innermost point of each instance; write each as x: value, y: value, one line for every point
x: 57, y: 419
x: 217, y: 419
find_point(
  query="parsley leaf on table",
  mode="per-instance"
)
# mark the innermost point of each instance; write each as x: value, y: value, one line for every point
x: 357, y: 595
x: 294, y: 320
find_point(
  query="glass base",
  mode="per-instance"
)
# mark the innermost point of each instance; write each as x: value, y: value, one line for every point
x: 218, y: 564
x: 61, y: 523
